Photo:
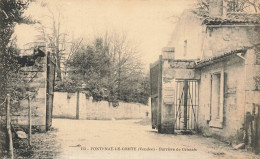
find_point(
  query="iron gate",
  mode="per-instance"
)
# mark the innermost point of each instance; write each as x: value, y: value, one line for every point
x: 186, y: 105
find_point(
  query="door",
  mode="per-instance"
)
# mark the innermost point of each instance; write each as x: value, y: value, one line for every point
x: 186, y: 105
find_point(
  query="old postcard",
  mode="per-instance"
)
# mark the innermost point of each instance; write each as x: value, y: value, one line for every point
x: 130, y: 79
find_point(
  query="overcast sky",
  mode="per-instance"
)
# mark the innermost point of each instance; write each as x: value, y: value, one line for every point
x: 148, y: 23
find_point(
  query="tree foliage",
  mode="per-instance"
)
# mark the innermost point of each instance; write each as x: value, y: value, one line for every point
x: 11, y: 13
x: 250, y: 6
x: 110, y: 69
x: 90, y: 65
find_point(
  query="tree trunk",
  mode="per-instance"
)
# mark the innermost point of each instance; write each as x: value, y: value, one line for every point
x: 119, y: 83
x: 56, y: 33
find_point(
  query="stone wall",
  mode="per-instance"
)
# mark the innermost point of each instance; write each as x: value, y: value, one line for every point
x: 219, y: 40
x: 252, y: 71
x: 173, y: 70
x: 206, y: 41
x: 65, y: 107
x: 240, y: 97
x: 230, y: 128
x: 34, y: 77
x: 189, y: 29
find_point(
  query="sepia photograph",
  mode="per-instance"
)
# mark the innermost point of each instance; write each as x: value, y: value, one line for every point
x: 129, y: 79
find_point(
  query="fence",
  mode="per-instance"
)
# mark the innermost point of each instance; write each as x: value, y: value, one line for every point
x: 7, y: 103
x: 65, y: 106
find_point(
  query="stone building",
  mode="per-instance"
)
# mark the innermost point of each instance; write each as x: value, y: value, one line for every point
x: 38, y: 74
x: 207, y: 79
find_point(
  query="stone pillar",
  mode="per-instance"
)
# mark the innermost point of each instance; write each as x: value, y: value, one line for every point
x: 168, y: 53
x: 168, y: 89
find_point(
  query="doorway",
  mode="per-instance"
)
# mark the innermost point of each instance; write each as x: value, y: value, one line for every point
x: 186, y: 105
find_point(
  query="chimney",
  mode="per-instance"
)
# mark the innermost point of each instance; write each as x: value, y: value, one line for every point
x: 225, y: 8
x: 216, y: 8
x: 168, y: 53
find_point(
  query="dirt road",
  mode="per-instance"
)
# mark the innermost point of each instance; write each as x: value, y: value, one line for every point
x: 129, y: 139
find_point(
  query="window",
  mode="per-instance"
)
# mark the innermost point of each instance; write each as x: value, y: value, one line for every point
x: 215, y: 95
x: 216, y: 101
x: 185, y: 47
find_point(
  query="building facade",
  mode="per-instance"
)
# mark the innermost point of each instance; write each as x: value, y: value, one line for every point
x: 207, y: 79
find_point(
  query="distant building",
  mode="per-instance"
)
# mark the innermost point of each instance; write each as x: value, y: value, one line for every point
x: 207, y: 79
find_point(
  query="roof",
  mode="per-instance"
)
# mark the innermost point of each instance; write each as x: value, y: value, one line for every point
x: 214, y: 59
x: 231, y: 18
x: 208, y: 61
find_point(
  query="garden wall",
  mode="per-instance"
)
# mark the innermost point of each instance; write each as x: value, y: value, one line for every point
x: 65, y: 107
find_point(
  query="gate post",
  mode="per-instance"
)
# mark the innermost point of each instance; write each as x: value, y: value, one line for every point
x: 186, y: 87
x: 8, y: 127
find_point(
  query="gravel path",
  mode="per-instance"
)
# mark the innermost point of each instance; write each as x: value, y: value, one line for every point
x: 130, y: 139
x: 123, y: 139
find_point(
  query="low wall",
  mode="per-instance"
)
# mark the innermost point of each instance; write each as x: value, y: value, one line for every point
x: 64, y: 106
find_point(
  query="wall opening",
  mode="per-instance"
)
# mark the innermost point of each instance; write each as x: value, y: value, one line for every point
x: 217, y: 99
x: 215, y: 96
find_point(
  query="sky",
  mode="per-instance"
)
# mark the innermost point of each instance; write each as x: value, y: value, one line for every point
x: 147, y: 23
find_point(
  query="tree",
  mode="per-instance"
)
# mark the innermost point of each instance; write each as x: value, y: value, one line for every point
x: 111, y: 69
x: 243, y: 5
x: 136, y: 88
x: 235, y: 5
x: 90, y: 64
x: 52, y: 36
x: 124, y: 60
x: 11, y: 13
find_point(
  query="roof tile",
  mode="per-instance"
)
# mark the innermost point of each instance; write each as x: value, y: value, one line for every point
x: 231, y: 18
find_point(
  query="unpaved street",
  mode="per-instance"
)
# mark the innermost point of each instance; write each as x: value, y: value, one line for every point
x: 130, y: 139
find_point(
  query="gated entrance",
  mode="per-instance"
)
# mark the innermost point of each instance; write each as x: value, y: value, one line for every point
x: 174, y: 94
x: 186, y: 105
